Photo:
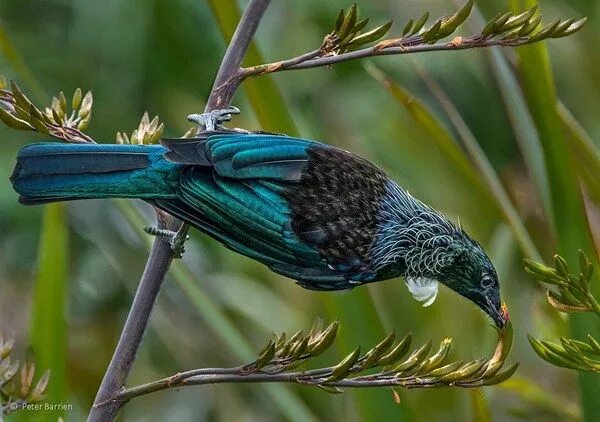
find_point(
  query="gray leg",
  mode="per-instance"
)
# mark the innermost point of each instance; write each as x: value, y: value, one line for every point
x: 213, y: 119
x: 175, y: 239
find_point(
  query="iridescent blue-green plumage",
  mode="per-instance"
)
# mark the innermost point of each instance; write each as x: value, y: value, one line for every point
x: 317, y: 214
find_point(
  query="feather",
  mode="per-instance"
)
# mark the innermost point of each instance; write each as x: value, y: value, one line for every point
x: 423, y: 289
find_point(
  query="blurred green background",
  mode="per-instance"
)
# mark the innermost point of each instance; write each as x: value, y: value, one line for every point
x: 67, y: 292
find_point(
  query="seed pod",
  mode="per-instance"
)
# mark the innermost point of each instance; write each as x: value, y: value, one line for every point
x: 349, y: 22
x: 38, y: 393
x: 372, y: 357
x: 62, y: 100
x: 446, y: 369
x: 13, y: 121
x: 371, y: 36
x: 576, y: 26
x: 407, y: 28
x: 339, y: 21
x: 360, y: 25
x: 433, y: 361
x: 420, y: 23
x: 501, y: 376
x: 414, y: 359
x: 342, y: 368
x: 563, y: 26
x: 6, y: 347
x: 430, y: 36
x: 466, y: 371
x: 9, y: 373
x: 86, y: 105
x: 397, y: 352
x: 265, y: 356
x: 530, y: 26
x: 299, y: 349
x: 20, y: 99
x: 450, y: 25
x: 38, y: 124
x: 324, y: 340
x: 557, y: 304
x: 545, y: 32
x: 83, y: 124
x: 316, y: 329
x: 280, y: 342
x: 157, y: 134
x: 518, y: 20
x: 489, y: 27
x: 77, y: 97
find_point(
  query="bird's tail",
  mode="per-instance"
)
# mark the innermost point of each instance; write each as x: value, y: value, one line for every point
x: 50, y: 172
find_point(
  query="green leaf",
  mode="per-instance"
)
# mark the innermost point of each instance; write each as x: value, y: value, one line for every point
x: 588, y: 155
x: 486, y: 170
x: 48, y: 326
x: 523, y: 126
x: 569, y: 219
x: 480, y: 407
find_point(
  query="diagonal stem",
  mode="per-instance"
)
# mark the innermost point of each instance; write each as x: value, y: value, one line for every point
x: 106, y: 405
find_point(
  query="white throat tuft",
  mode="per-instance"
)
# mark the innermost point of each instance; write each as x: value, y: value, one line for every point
x: 423, y: 289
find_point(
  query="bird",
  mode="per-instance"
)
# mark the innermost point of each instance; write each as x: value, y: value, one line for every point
x: 322, y: 216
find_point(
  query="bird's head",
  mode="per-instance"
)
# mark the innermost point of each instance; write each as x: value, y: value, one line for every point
x: 430, y: 249
x: 472, y: 275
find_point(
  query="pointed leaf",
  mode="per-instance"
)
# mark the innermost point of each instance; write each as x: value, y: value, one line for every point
x: 371, y: 36
x: 341, y: 369
x: 420, y: 23
x: 13, y: 122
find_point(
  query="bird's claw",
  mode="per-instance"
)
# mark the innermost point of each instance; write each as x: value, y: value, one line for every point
x: 213, y: 119
x: 176, y: 239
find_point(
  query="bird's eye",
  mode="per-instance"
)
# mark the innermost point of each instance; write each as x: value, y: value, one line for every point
x: 487, y: 281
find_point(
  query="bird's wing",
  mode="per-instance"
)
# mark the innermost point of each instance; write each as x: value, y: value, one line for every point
x: 235, y: 191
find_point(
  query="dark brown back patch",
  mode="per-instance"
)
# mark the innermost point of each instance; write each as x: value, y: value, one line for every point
x: 335, y: 206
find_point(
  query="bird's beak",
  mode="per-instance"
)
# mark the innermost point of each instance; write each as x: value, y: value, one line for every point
x: 498, y: 314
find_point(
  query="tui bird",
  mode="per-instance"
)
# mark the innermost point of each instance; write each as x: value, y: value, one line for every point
x: 320, y: 215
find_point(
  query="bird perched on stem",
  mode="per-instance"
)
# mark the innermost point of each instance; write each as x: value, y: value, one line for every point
x: 317, y: 214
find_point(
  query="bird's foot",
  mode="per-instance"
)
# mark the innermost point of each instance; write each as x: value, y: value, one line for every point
x: 213, y: 119
x: 175, y: 239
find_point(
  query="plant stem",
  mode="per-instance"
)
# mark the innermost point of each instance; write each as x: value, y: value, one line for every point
x: 412, y: 45
x: 227, y: 79
x: 106, y: 405
x: 159, y: 260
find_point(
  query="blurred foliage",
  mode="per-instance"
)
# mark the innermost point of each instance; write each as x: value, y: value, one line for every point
x: 573, y: 296
x: 17, y: 388
x: 161, y: 56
